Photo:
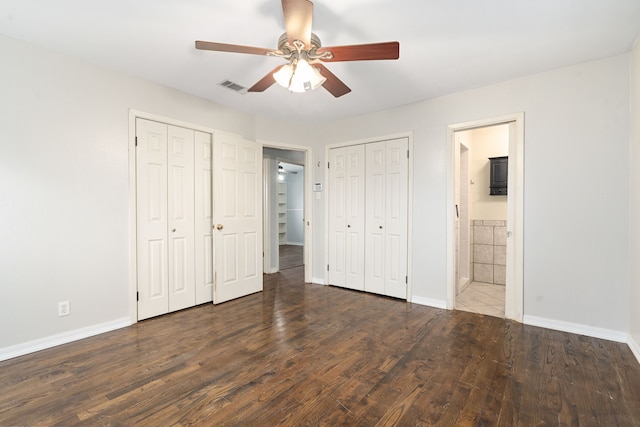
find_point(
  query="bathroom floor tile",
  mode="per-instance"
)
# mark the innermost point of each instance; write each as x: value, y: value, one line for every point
x: 482, y: 298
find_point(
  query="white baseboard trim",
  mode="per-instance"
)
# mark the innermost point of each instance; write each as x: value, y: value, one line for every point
x: 63, y: 338
x: 576, y: 328
x: 635, y: 347
x: 436, y: 303
x: 317, y: 281
x: 294, y: 244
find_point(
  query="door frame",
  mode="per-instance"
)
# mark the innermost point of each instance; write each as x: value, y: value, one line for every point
x: 409, y: 136
x: 307, y: 255
x: 514, y: 294
x: 133, y: 231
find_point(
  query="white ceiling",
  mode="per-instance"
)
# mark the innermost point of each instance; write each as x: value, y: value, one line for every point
x: 445, y: 45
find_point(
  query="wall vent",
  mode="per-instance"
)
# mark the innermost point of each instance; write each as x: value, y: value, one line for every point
x: 233, y: 86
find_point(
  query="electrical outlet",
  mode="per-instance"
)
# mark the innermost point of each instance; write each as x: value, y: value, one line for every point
x: 63, y: 308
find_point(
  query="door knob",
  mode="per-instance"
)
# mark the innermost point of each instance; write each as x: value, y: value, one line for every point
x: 219, y: 227
x: 173, y: 231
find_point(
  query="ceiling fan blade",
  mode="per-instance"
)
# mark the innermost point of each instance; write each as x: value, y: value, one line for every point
x: 363, y: 52
x: 333, y: 84
x: 265, y: 82
x: 223, y: 47
x: 298, y: 15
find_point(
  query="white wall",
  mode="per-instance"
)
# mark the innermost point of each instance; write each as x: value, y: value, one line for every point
x: 576, y: 186
x: 483, y: 143
x: 634, y: 234
x: 64, y: 187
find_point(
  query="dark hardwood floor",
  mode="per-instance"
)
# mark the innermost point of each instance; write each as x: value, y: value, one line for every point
x: 290, y: 256
x: 300, y: 355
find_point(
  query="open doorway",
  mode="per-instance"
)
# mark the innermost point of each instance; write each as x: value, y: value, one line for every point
x: 510, y: 236
x: 286, y: 224
x: 290, y: 213
x: 481, y: 220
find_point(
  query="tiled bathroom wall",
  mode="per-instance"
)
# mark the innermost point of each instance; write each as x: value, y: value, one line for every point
x: 489, y: 251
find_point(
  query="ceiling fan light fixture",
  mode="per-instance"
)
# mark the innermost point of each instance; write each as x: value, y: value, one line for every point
x: 299, y: 76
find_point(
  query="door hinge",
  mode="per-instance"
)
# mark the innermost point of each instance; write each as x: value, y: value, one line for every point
x: 136, y: 141
x: 407, y: 154
x: 327, y: 267
x: 328, y: 165
x: 406, y: 280
x: 137, y: 296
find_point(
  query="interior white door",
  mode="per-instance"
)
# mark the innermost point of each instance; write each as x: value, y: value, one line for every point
x: 386, y: 218
x: 237, y: 217
x: 375, y: 227
x: 396, y: 217
x: 182, y: 291
x: 203, y: 218
x: 338, y: 216
x: 152, y: 222
x: 346, y: 210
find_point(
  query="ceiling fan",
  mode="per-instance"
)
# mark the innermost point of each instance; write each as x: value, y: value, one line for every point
x: 305, y: 55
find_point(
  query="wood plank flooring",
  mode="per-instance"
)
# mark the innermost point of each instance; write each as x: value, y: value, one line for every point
x: 290, y: 256
x: 300, y: 354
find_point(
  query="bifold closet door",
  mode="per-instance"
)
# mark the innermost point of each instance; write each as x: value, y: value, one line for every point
x: 152, y: 220
x: 346, y: 213
x: 171, y: 266
x: 386, y: 218
x: 204, y: 273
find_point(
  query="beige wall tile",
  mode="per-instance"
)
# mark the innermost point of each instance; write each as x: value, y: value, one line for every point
x: 483, y: 235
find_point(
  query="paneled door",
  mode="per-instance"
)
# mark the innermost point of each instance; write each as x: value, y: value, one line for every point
x: 203, y: 217
x: 346, y: 213
x: 152, y: 220
x: 237, y: 217
x: 180, y: 204
x: 174, y: 241
x: 386, y: 218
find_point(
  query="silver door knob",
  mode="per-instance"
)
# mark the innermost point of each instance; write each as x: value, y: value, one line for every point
x: 219, y: 227
x: 173, y: 231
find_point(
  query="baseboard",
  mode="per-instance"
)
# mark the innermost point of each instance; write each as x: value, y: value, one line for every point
x: 436, y: 303
x: 294, y: 244
x: 576, y: 328
x: 59, y: 339
x: 635, y: 347
x: 317, y: 281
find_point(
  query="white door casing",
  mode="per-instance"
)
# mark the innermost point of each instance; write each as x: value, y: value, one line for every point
x: 237, y: 217
x: 514, y: 292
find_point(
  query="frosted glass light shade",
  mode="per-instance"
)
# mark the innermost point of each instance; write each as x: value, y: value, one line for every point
x: 283, y: 75
x: 301, y: 78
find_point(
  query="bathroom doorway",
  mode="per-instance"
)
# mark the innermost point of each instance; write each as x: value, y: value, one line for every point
x: 481, y: 221
x: 485, y: 226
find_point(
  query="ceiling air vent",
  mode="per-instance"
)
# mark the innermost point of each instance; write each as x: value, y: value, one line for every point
x: 233, y: 86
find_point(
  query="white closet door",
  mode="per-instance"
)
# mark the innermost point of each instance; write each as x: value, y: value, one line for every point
x: 237, y: 217
x: 337, y: 216
x: 375, y: 228
x: 182, y: 292
x: 152, y: 222
x: 397, y: 186
x: 346, y: 210
x: 203, y: 218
